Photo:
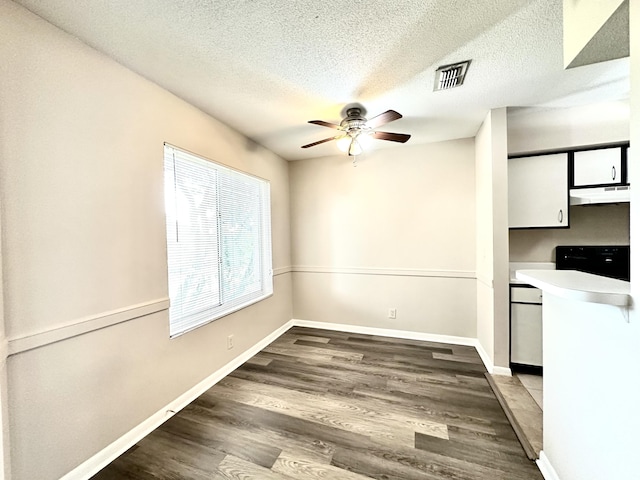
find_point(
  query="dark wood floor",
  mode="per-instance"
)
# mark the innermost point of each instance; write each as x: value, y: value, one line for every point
x: 319, y: 404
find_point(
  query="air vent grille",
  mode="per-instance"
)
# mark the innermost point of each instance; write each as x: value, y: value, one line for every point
x: 450, y: 76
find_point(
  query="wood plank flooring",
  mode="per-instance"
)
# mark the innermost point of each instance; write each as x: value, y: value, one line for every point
x: 526, y: 415
x: 319, y: 404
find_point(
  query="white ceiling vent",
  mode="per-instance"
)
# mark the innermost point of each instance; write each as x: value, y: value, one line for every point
x: 450, y: 76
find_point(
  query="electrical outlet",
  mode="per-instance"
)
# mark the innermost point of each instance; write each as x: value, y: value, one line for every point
x: 392, y: 313
x: 229, y: 342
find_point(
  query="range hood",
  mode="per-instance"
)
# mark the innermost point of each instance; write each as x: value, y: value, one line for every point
x: 592, y: 196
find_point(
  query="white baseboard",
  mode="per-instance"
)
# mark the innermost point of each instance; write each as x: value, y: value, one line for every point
x: 501, y: 371
x: 545, y: 467
x: 386, y: 332
x: 100, y: 460
x: 488, y: 362
x: 486, y: 359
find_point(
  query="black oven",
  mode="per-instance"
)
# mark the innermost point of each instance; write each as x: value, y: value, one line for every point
x: 608, y: 261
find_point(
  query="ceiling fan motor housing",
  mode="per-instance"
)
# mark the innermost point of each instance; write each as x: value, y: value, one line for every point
x: 354, y: 120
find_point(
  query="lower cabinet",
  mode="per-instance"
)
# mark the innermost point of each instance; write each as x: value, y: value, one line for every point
x: 526, y: 326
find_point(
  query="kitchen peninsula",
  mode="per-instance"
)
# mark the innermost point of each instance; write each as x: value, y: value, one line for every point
x: 587, y: 338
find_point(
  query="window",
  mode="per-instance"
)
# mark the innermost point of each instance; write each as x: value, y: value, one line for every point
x: 218, y: 239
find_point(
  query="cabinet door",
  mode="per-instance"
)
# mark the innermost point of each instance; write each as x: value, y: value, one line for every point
x: 597, y: 167
x: 526, y: 334
x: 539, y: 191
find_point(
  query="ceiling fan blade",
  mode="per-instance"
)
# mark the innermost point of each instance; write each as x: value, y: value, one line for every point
x: 393, y: 137
x: 386, y: 117
x: 319, y: 142
x: 325, y: 124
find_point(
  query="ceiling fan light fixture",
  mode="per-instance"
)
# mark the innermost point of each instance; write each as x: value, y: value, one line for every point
x: 355, y: 148
x: 357, y: 132
x: 365, y: 140
x: 344, y: 143
x: 353, y: 142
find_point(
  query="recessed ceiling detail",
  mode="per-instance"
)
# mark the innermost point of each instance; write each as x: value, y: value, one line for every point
x: 450, y: 76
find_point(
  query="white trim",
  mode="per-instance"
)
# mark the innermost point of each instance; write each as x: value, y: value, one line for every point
x: 101, y: 459
x: 486, y: 359
x: 485, y: 280
x: 385, y: 332
x: 488, y: 362
x: 402, y: 272
x: 85, y: 325
x: 505, y: 371
x: 545, y: 467
x: 282, y: 270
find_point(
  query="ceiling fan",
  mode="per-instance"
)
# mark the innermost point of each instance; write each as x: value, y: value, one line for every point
x: 356, y: 130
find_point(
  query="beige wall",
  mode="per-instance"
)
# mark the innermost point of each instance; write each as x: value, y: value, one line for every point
x: 484, y: 237
x: 606, y: 224
x: 492, y: 244
x: 397, y: 231
x: 83, y: 236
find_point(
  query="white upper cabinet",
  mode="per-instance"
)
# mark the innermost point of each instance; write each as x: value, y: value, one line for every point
x: 539, y: 191
x: 597, y: 167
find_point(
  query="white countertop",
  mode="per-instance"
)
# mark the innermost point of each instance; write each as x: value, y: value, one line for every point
x: 514, y: 266
x: 580, y: 286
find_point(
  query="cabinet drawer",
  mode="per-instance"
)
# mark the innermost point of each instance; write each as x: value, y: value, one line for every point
x: 526, y: 295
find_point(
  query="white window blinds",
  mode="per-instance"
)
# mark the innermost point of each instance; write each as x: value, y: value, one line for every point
x: 218, y: 239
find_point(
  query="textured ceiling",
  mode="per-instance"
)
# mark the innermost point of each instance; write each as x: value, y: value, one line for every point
x: 265, y: 67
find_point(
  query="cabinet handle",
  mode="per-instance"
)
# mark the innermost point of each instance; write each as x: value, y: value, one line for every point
x: 560, y: 216
x: 613, y: 172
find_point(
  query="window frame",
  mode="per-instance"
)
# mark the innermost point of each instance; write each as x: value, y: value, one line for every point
x: 256, y: 214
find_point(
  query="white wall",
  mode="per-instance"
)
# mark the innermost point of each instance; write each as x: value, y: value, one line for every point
x: 590, y: 399
x: 634, y: 157
x: 83, y: 245
x: 5, y: 460
x: 634, y: 28
x: 492, y: 247
x: 397, y: 231
x: 543, y: 129
x: 592, y: 430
